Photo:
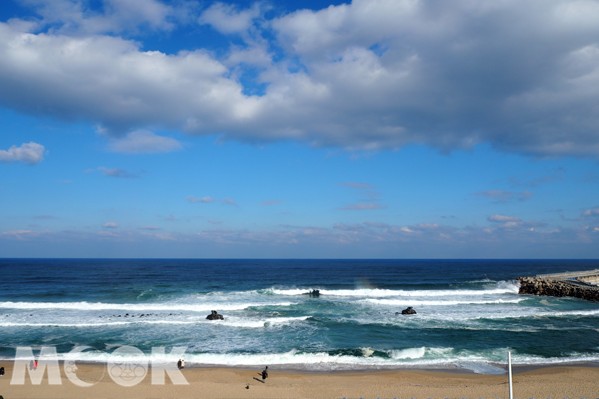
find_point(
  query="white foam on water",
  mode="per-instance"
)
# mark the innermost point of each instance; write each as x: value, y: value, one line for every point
x: 261, y: 323
x: 410, y: 353
x: 228, y: 322
x: 367, y: 352
x: 441, y: 302
x: 137, y: 307
x: 529, y: 313
x: 64, y: 325
x: 489, y: 363
x: 481, y: 367
x: 502, y: 287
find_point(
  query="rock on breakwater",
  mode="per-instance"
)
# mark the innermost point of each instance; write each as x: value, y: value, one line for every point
x: 560, y: 285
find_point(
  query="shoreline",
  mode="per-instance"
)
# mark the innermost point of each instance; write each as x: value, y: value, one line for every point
x: 548, y: 381
x: 309, y: 368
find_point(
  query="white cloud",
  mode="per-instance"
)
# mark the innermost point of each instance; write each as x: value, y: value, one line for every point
x: 367, y: 75
x: 109, y: 80
x: 228, y: 19
x: 115, y: 16
x: 513, y: 224
x: 144, y: 142
x: 454, y: 75
x: 504, y: 219
x: 19, y: 234
x: 349, y: 240
x: 30, y: 153
x: 255, y: 54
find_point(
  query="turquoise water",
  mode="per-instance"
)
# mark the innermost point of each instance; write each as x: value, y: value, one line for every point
x: 469, y: 312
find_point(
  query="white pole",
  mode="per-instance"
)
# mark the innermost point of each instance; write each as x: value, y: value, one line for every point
x: 509, y: 370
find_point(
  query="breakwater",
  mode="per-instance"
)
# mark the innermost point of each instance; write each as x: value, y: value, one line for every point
x: 583, y: 284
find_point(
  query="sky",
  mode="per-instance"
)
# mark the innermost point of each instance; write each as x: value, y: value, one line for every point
x: 299, y: 129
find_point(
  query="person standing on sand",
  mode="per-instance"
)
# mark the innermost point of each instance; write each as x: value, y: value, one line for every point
x: 265, y: 373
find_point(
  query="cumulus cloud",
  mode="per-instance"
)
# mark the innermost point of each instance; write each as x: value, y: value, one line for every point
x: 143, y: 141
x: 373, y: 74
x: 458, y: 74
x: 115, y: 16
x: 30, y: 153
x: 229, y: 19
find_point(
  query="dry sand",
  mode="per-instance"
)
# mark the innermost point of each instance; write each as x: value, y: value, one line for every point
x: 543, y: 382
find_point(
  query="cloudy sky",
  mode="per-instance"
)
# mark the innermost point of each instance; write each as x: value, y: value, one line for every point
x: 372, y: 128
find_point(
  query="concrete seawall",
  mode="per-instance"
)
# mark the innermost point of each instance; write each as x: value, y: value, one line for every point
x: 581, y: 284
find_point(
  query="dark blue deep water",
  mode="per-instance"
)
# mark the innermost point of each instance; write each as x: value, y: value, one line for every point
x: 469, y: 311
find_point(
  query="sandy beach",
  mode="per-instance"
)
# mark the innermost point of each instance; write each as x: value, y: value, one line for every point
x: 542, y: 382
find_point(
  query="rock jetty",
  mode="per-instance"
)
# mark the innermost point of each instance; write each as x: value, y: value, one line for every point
x: 576, y: 284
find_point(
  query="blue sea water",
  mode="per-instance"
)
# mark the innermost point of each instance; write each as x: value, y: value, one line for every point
x: 469, y: 312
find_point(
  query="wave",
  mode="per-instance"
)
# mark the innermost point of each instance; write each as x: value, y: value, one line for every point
x: 489, y: 362
x: 359, y: 358
x: 228, y: 322
x: 503, y: 287
x: 416, y: 302
x: 410, y: 353
x: 262, y: 323
x: 64, y: 325
x: 536, y: 314
x: 136, y: 307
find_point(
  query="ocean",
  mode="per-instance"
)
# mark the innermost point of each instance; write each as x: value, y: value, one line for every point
x: 469, y: 312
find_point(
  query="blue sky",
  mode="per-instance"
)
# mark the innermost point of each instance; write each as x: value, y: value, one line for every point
x: 378, y: 129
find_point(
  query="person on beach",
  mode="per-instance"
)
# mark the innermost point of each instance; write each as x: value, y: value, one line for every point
x: 181, y: 364
x: 1, y: 371
x: 265, y: 373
